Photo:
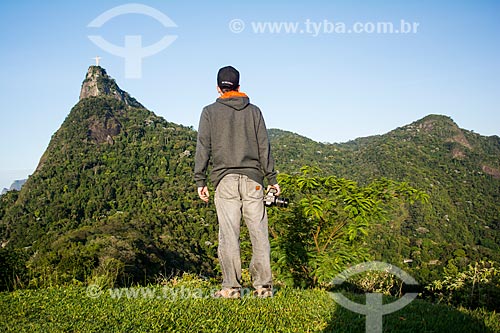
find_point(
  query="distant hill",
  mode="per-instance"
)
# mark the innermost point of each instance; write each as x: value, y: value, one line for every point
x: 113, y: 194
x: 459, y: 169
x: 15, y: 186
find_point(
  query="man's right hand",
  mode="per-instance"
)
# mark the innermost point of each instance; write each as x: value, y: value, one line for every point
x: 203, y: 193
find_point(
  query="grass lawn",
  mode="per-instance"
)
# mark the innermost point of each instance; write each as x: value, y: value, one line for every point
x: 188, y: 309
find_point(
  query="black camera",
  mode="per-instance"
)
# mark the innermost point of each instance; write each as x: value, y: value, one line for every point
x: 271, y: 199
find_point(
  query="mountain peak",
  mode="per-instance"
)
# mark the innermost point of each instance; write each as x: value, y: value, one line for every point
x: 444, y: 129
x: 98, y: 83
x: 433, y: 121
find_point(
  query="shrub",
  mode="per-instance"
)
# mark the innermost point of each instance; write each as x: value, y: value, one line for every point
x: 476, y: 286
x: 13, y: 272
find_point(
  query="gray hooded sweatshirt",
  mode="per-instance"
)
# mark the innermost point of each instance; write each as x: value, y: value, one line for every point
x: 233, y: 133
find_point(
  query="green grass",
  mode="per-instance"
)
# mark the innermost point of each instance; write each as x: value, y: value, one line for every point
x: 70, y: 309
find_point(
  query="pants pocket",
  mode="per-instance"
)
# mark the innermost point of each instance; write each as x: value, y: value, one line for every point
x: 255, y: 190
x: 228, y: 188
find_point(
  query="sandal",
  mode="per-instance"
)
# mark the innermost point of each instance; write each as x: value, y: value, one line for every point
x: 227, y: 293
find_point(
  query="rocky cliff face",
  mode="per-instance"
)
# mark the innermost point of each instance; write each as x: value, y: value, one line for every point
x: 95, y: 123
x: 98, y: 83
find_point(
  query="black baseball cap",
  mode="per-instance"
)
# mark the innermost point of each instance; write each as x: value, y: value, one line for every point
x: 228, y: 77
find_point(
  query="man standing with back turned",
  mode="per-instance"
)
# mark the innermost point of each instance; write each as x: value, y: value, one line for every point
x: 232, y: 132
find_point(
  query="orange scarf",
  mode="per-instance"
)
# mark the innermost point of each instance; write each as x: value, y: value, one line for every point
x: 233, y: 93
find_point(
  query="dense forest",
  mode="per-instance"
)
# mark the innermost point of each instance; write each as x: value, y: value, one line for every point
x: 458, y: 169
x: 113, y: 201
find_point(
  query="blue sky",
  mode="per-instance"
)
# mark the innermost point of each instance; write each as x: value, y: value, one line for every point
x: 331, y: 87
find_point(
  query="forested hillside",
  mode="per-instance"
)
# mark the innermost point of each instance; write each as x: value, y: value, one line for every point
x: 113, y: 194
x: 459, y: 169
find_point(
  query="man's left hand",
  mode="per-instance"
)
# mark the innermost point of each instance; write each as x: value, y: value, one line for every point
x: 276, y: 187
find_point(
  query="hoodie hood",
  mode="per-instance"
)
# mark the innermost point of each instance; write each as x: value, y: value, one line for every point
x: 234, y: 99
